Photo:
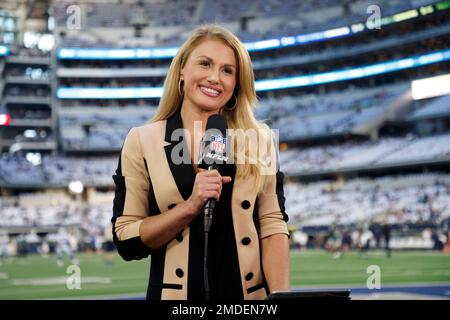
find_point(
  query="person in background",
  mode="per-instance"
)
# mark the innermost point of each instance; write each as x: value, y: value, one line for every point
x: 386, y: 229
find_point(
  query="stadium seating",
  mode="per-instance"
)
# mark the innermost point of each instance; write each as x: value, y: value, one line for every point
x: 395, y: 200
x: 336, y: 129
x: 437, y: 107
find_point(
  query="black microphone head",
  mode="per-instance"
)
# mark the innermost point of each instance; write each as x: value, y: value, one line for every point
x: 214, y: 145
x: 217, y: 121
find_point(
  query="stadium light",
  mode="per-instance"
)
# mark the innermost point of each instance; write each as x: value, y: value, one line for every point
x: 114, y: 54
x: 353, y: 73
x: 406, y: 15
x: 109, y: 93
x: 269, y: 84
x: 5, y: 119
x: 76, y: 187
x: 30, y: 133
x: 430, y: 87
x: 4, y: 51
x: 34, y: 158
x: 443, y: 5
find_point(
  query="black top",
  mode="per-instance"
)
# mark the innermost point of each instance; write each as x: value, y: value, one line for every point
x: 224, y: 275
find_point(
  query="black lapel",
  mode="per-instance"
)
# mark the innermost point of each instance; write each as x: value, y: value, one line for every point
x: 183, y: 173
x: 184, y: 177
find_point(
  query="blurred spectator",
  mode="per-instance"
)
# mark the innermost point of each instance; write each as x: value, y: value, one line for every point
x: 387, y: 238
x: 65, y: 246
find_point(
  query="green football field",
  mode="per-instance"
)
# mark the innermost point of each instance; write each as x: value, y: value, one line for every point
x: 103, y: 276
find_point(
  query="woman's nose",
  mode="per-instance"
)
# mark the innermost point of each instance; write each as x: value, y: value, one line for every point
x: 213, y: 76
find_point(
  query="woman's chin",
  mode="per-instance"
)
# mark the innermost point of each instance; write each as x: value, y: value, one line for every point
x: 210, y: 108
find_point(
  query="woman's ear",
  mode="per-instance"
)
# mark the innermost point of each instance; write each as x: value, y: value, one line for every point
x: 182, y: 73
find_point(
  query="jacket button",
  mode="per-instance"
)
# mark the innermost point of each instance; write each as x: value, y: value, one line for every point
x: 245, y: 241
x: 179, y: 273
x: 245, y: 204
x: 172, y: 205
x: 249, y: 276
x: 179, y: 237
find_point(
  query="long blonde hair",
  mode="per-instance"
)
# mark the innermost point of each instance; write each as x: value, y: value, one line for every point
x: 242, y: 116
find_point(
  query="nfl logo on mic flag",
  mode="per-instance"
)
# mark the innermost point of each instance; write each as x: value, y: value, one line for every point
x: 218, y: 143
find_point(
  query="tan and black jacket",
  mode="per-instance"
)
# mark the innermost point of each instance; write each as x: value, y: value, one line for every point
x: 148, y: 183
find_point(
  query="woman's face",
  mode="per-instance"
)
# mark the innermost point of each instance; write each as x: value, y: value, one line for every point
x: 209, y: 75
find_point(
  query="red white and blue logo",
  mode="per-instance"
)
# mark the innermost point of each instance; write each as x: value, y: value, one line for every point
x: 218, y: 143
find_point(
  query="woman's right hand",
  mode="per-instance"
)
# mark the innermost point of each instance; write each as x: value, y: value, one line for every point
x: 208, y: 184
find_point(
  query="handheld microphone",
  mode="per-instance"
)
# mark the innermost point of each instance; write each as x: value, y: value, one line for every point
x: 213, y: 154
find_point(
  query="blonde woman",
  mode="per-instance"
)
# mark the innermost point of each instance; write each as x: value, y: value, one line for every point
x: 159, y: 200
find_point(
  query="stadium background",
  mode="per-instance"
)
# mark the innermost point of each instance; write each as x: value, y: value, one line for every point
x: 365, y: 147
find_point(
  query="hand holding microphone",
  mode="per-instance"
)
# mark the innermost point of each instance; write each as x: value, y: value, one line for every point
x: 207, y: 185
x: 213, y: 155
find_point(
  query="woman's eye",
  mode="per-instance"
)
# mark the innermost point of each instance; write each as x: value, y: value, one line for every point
x: 204, y: 63
x: 228, y: 71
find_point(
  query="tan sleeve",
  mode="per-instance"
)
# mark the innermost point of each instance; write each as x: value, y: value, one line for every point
x: 272, y: 215
x: 131, y: 202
